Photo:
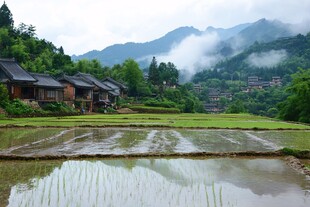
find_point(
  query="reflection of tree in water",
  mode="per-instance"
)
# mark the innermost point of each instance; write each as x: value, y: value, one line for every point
x: 19, y: 172
x: 261, y: 176
x: 117, y: 179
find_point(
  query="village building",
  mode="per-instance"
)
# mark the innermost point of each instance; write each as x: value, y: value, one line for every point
x: 197, y: 88
x: 20, y: 83
x: 100, y: 91
x: 77, y: 92
x: 32, y: 88
x: 47, y: 89
x: 118, y: 89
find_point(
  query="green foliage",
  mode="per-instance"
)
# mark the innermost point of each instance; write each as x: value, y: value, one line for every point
x: 159, y: 103
x: 17, y: 107
x: 164, y: 74
x: 236, y: 107
x: 4, y: 96
x: 58, y: 107
x: 303, y: 154
x: 107, y: 110
x: 6, y: 17
x: 133, y: 76
x: 155, y: 110
x: 297, y: 106
x: 237, y: 67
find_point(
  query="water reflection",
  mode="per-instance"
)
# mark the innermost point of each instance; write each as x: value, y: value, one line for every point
x: 127, y: 141
x: 165, y: 182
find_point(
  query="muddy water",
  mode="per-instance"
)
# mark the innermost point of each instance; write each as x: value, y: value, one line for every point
x: 153, y: 182
x: 126, y: 141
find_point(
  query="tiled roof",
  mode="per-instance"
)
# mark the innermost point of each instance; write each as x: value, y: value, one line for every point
x: 114, y: 82
x: 77, y: 82
x: 45, y: 80
x: 114, y: 93
x: 14, y: 72
x: 91, y: 79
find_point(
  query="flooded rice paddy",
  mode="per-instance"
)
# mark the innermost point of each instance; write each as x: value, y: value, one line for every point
x: 153, y: 182
x: 29, y: 142
x: 150, y: 182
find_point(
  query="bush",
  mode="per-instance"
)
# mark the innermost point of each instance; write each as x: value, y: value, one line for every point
x: 106, y: 110
x: 58, y: 107
x: 17, y: 107
x: 155, y: 110
x: 157, y: 103
x: 4, y: 96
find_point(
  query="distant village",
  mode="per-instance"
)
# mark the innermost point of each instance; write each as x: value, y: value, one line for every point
x: 81, y: 91
x: 215, y: 94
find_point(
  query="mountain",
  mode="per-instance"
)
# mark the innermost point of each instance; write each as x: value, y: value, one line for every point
x: 261, y: 31
x: 117, y: 53
x: 225, y: 34
x: 281, y: 57
x: 233, y: 40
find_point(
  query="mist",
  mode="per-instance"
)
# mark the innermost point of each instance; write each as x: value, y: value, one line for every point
x: 266, y: 59
x: 193, y: 54
x: 301, y: 28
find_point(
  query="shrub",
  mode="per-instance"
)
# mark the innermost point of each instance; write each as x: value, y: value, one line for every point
x: 58, y: 107
x: 155, y: 110
x: 157, y: 103
x: 17, y: 107
x: 4, y: 96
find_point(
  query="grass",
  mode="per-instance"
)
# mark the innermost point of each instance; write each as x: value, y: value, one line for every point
x: 223, y: 121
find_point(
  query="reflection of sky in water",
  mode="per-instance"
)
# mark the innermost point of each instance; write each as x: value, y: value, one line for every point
x: 167, y: 182
x: 127, y: 141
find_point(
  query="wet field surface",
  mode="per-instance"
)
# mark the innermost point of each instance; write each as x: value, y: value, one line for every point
x: 153, y: 182
x: 150, y: 182
x: 55, y: 141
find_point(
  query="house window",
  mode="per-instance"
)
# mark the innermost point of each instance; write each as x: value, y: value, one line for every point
x: 51, y: 94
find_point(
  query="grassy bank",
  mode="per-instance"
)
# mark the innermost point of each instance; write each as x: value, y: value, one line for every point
x: 223, y: 121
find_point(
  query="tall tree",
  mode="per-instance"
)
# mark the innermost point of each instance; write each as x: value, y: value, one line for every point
x: 154, y: 72
x: 6, y: 17
x: 132, y: 75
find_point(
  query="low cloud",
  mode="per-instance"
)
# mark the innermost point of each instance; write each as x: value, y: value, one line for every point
x: 266, y: 59
x: 301, y: 28
x: 193, y: 54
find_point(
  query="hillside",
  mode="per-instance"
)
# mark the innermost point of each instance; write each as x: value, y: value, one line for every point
x: 281, y: 58
x: 232, y: 39
x: 116, y: 54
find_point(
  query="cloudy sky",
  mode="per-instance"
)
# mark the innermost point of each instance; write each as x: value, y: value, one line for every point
x: 83, y: 25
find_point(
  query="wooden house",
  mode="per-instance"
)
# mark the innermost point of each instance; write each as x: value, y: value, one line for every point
x: 19, y: 82
x: 77, y: 92
x: 47, y: 89
x: 118, y: 89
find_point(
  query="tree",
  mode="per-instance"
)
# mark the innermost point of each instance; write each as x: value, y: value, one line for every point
x: 6, y: 17
x: 132, y: 76
x: 236, y: 108
x: 154, y: 72
x: 297, y: 106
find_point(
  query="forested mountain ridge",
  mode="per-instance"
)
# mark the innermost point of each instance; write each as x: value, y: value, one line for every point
x: 119, y: 52
x: 281, y: 57
x: 232, y: 39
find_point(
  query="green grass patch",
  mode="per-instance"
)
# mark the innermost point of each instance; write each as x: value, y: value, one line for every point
x: 224, y: 121
x: 160, y: 110
x: 304, y: 154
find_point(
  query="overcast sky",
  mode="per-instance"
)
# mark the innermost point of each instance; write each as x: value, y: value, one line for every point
x: 83, y: 25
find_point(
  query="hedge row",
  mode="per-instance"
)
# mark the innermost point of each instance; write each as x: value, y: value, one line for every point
x: 157, y: 110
